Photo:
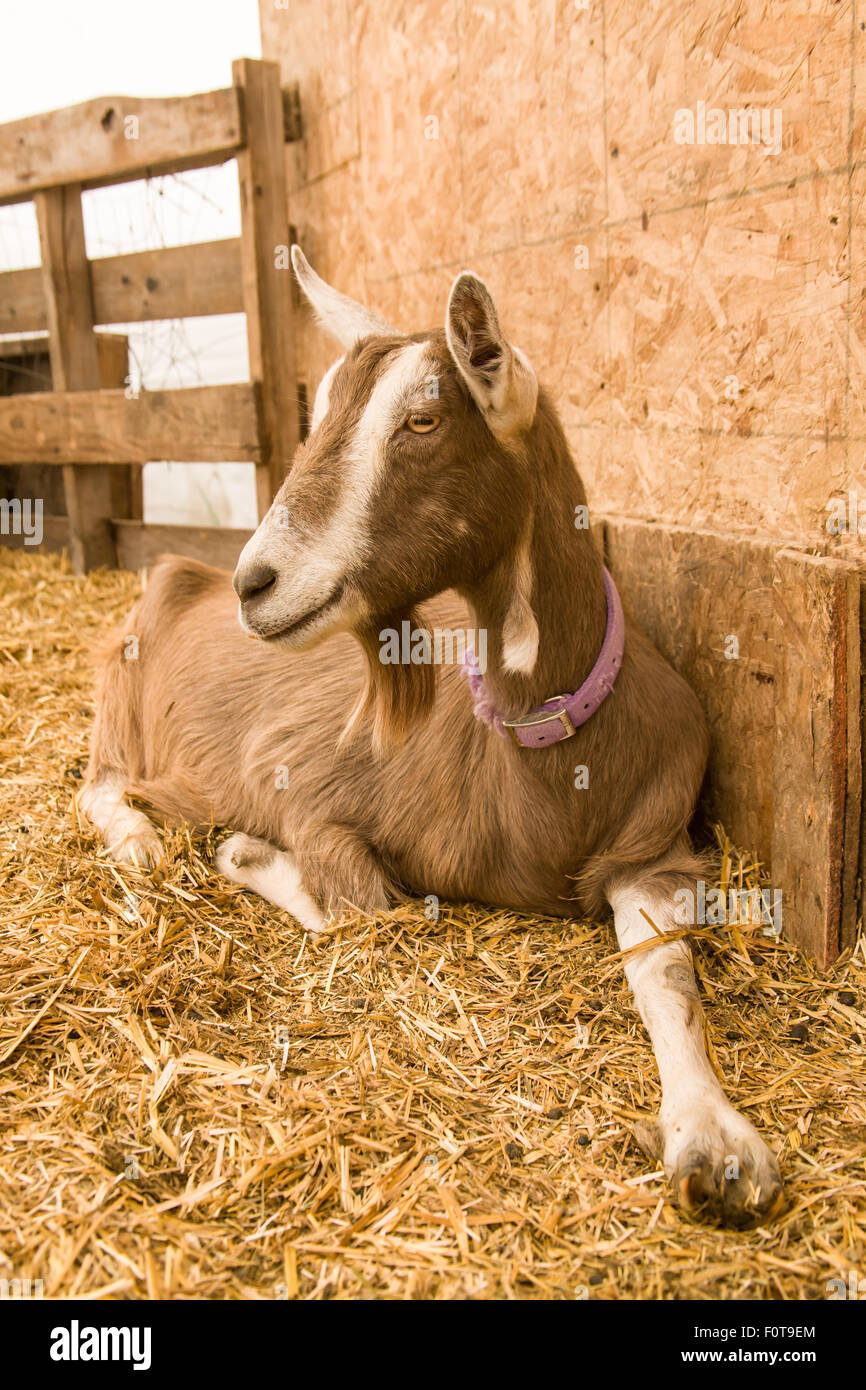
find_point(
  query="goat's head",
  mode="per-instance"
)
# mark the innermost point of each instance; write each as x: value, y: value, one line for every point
x: 400, y: 490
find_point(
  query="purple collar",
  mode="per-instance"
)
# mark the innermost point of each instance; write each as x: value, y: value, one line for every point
x: 561, y: 715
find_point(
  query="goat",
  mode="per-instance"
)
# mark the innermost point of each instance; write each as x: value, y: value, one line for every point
x: 436, y: 486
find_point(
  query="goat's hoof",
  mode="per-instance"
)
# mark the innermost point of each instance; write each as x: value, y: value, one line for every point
x: 720, y: 1167
x: 142, y: 849
x: 242, y: 851
x: 228, y: 857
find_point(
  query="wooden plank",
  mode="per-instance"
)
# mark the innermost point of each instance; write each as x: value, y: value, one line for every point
x: 139, y: 545
x: 706, y: 601
x: 22, y: 302
x: 862, y: 854
x: 112, y: 353
x: 74, y: 364
x: 202, y: 424
x: 817, y: 791
x: 66, y: 290
x: 174, y: 282
x: 127, y: 495
x: 25, y: 366
x: 112, y: 358
x: 783, y: 702
x: 855, y: 801
x: 177, y: 282
x: 266, y: 275
x: 113, y: 139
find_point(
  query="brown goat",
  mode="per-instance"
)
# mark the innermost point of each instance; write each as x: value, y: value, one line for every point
x: 436, y: 488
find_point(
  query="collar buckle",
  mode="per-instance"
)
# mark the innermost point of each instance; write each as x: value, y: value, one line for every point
x: 532, y: 721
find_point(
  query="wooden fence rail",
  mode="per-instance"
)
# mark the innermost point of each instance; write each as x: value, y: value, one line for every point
x: 88, y: 431
x: 114, y: 139
x: 177, y: 282
x: 199, y: 424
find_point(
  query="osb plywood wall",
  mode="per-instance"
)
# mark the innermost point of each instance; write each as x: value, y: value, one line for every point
x: 697, y: 309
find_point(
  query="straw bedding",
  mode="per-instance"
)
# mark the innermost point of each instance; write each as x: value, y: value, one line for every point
x: 197, y: 1102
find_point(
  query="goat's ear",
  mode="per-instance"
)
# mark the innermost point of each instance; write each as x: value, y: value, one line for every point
x: 503, y: 384
x: 343, y: 317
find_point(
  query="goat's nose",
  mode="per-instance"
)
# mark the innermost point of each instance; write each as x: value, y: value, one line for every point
x: 252, y: 580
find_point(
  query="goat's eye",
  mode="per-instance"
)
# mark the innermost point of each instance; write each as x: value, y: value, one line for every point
x: 422, y: 424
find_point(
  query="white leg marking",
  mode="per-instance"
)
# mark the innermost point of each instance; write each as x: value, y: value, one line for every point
x: 713, y: 1155
x: 273, y: 874
x: 129, y: 835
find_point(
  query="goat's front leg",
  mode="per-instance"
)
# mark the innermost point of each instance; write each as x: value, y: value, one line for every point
x: 129, y: 835
x: 718, y: 1163
x: 329, y: 871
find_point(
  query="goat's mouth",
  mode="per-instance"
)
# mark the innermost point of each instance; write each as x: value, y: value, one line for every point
x: 301, y: 627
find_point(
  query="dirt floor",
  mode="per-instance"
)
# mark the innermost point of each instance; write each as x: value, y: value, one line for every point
x: 196, y: 1102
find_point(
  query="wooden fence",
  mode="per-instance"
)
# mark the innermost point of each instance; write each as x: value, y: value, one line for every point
x: 87, y: 431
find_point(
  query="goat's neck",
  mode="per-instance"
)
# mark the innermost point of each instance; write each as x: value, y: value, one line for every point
x: 567, y: 595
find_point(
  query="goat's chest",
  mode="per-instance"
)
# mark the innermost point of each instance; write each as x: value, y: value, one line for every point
x: 464, y: 832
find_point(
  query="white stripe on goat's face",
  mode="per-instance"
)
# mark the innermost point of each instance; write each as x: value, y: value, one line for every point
x: 323, y: 395
x: 315, y: 538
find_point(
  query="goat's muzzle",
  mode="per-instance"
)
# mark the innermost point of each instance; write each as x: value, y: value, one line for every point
x: 253, y: 579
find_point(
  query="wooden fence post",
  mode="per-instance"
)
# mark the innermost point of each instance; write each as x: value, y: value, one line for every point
x: 74, y: 365
x: 817, y: 777
x: 266, y: 270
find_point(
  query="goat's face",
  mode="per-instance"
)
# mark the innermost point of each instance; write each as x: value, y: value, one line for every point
x: 413, y: 475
